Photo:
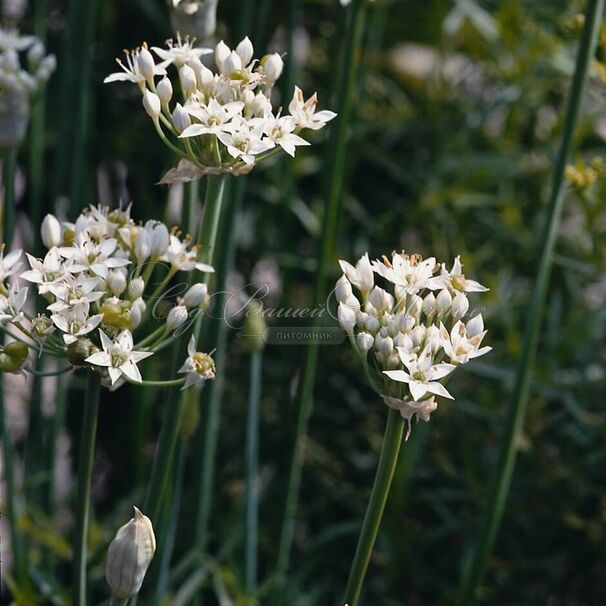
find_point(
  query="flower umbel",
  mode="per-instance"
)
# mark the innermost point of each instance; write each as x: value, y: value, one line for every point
x: 412, y: 338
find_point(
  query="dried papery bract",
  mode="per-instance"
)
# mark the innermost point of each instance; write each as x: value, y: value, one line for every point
x: 129, y: 556
x: 219, y: 122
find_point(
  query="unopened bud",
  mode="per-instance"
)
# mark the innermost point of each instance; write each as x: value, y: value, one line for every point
x: 116, y: 280
x: 177, y: 316
x: 245, y: 51
x: 221, y: 53
x: 195, y: 295
x: 365, y: 341
x: 146, y: 65
x: 181, y: 119
x: 136, y: 288
x: 443, y: 301
x: 159, y: 240
x: 129, y: 555
x: 142, y: 245
x: 232, y: 64
x: 151, y: 103
x: 51, y: 231
x: 165, y: 91
x: 272, y: 66
x: 347, y: 317
x: 460, y: 305
x: 187, y: 77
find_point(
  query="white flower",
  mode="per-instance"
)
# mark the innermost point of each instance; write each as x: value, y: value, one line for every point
x: 180, y: 52
x: 457, y: 281
x: 407, y: 271
x: 361, y: 275
x: 183, y: 258
x: 177, y: 316
x: 243, y: 139
x: 245, y: 51
x: 131, y: 72
x: 460, y: 347
x: 74, y: 321
x: 46, y: 272
x: 9, y: 264
x: 199, y: 367
x: 11, y: 306
x: 272, y: 66
x: 280, y: 131
x: 88, y: 255
x: 118, y: 356
x: 195, y: 295
x: 422, y: 376
x: 213, y: 117
x: 304, y: 112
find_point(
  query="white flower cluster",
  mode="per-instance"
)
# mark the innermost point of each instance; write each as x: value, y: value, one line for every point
x: 95, y: 279
x: 222, y: 122
x: 412, y: 337
x: 20, y: 78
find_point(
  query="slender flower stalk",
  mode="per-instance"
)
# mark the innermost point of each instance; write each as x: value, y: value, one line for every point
x: 374, y: 512
x: 334, y: 180
x: 474, y: 574
x: 85, y: 469
x: 9, y: 167
x: 251, y: 533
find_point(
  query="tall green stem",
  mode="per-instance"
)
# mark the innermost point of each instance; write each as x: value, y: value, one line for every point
x: 207, y: 235
x: 19, y: 563
x: 335, y: 169
x: 217, y: 331
x: 374, y: 511
x: 252, y: 473
x: 85, y: 469
x: 9, y: 167
x: 494, y: 514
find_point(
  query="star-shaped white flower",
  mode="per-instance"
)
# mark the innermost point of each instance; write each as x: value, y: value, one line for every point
x: 45, y: 272
x: 183, y: 258
x: 9, y: 264
x: 456, y: 280
x: 407, y: 272
x: 280, y: 131
x: 75, y: 322
x: 304, y: 112
x: 88, y: 255
x: 11, y: 306
x: 213, y: 117
x: 460, y: 347
x: 198, y: 366
x: 180, y: 52
x: 244, y: 139
x: 422, y: 376
x: 361, y: 275
x: 118, y: 357
x: 131, y: 72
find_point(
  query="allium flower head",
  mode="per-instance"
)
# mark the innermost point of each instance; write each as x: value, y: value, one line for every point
x: 413, y: 333
x: 223, y: 120
x: 95, y: 281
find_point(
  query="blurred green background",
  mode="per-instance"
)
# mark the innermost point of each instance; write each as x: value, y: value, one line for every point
x: 458, y: 116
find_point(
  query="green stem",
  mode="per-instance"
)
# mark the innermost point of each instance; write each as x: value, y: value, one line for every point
x: 19, y: 563
x: 85, y: 470
x: 217, y: 337
x: 190, y: 205
x: 252, y: 473
x: 374, y: 511
x: 475, y: 573
x: 336, y: 157
x: 172, y: 418
x: 9, y: 168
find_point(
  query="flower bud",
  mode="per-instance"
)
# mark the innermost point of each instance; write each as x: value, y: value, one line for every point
x: 129, y: 555
x: 261, y: 105
x: 372, y: 325
x: 146, y: 65
x: 195, y: 295
x: 165, y: 91
x: 159, y: 240
x: 187, y: 77
x: 177, y: 316
x: 384, y: 345
x: 343, y: 289
x: 142, y: 245
x: 347, y: 317
x: 365, y: 341
x: 460, y: 305
x: 135, y: 315
x: 432, y: 338
x: 443, y: 302
x: 429, y: 305
x: 151, y: 103
x: 232, y: 64
x: 51, y: 231
x: 272, y: 66
x: 475, y: 326
x: 414, y: 305
x: 245, y: 51
x: 116, y: 280
x: 221, y: 53
x: 136, y: 288
x: 181, y: 119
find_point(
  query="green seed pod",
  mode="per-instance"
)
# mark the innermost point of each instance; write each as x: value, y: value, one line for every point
x: 79, y: 350
x: 13, y: 356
